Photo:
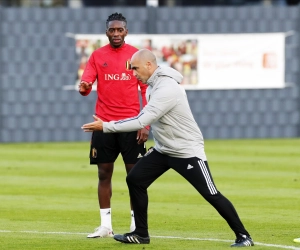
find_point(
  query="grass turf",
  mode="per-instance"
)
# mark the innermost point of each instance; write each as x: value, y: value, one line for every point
x: 48, y: 198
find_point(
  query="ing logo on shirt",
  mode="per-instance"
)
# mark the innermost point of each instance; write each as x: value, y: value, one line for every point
x: 117, y: 77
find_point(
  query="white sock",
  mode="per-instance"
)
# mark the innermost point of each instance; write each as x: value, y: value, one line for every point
x: 132, y: 225
x: 105, y: 215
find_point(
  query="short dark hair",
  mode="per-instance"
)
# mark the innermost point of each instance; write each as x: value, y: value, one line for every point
x: 116, y: 17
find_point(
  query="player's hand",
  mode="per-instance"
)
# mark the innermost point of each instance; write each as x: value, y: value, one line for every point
x: 84, y: 86
x: 93, y: 126
x: 142, y: 135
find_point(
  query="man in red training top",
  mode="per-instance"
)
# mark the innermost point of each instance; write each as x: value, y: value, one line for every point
x: 117, y: 98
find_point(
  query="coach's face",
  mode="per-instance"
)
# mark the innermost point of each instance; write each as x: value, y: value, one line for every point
x: 141, y: 69
x: 116, y: 32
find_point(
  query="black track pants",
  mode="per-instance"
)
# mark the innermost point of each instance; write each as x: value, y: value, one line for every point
x: 194, y: 170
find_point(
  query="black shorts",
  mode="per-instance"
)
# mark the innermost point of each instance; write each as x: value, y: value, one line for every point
x: 105, y: 147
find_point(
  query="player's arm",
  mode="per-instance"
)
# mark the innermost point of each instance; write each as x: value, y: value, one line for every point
x: 143, y: 88
x: 89, y: 76
x: 142, y: 134
x: 85, y: 88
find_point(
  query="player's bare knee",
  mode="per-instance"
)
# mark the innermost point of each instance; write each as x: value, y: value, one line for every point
x: 104, y: 175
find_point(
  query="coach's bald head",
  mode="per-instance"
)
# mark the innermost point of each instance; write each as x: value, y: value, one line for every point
x: 143, y: 64
x: 144, y: 55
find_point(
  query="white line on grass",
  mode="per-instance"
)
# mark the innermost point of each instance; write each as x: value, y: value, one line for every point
x: 163, y: 237
x: 208, y: 239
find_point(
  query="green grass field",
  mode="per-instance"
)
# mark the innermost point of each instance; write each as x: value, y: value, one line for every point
x: 48, y: 198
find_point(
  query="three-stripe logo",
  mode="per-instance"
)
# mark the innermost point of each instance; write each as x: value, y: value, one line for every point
x: 133, y: 239
x: 209, y: 182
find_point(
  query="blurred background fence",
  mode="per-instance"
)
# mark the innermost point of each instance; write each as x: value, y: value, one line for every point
x: 37, y: 59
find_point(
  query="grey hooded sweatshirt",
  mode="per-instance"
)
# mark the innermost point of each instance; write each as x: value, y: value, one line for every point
x: 173, y: 126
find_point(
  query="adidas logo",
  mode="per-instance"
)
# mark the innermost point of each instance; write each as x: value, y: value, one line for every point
x: 133, y: 239
x: 149, y: 151
x: 139, y: 156
x: 189, y: 167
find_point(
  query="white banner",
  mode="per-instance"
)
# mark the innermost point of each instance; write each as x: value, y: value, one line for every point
x: 229, y: 61
x: 241, y: 61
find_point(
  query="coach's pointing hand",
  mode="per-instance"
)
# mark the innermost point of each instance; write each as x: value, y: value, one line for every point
x: 93, y: 126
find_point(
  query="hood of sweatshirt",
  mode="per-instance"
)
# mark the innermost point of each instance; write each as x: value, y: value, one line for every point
x: 165, y: 71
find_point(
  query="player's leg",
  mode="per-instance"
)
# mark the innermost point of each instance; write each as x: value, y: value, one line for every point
x: 132, y: 221
x: 104, y: 151
x: 198, y: 174
x: 143, y: 174
x: 131, y: 153
x: 105, y: 172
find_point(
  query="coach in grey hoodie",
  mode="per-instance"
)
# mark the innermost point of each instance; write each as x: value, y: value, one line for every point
x: 174, y: 129
x: 178, y: 145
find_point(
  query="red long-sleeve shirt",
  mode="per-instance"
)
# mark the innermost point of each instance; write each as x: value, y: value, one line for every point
x: 117, y: 88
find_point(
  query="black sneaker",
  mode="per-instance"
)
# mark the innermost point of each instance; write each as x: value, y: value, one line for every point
x: 132, y: 238
x: 243, y: 241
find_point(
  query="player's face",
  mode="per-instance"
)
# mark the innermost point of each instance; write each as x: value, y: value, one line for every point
x: 116, y: 33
